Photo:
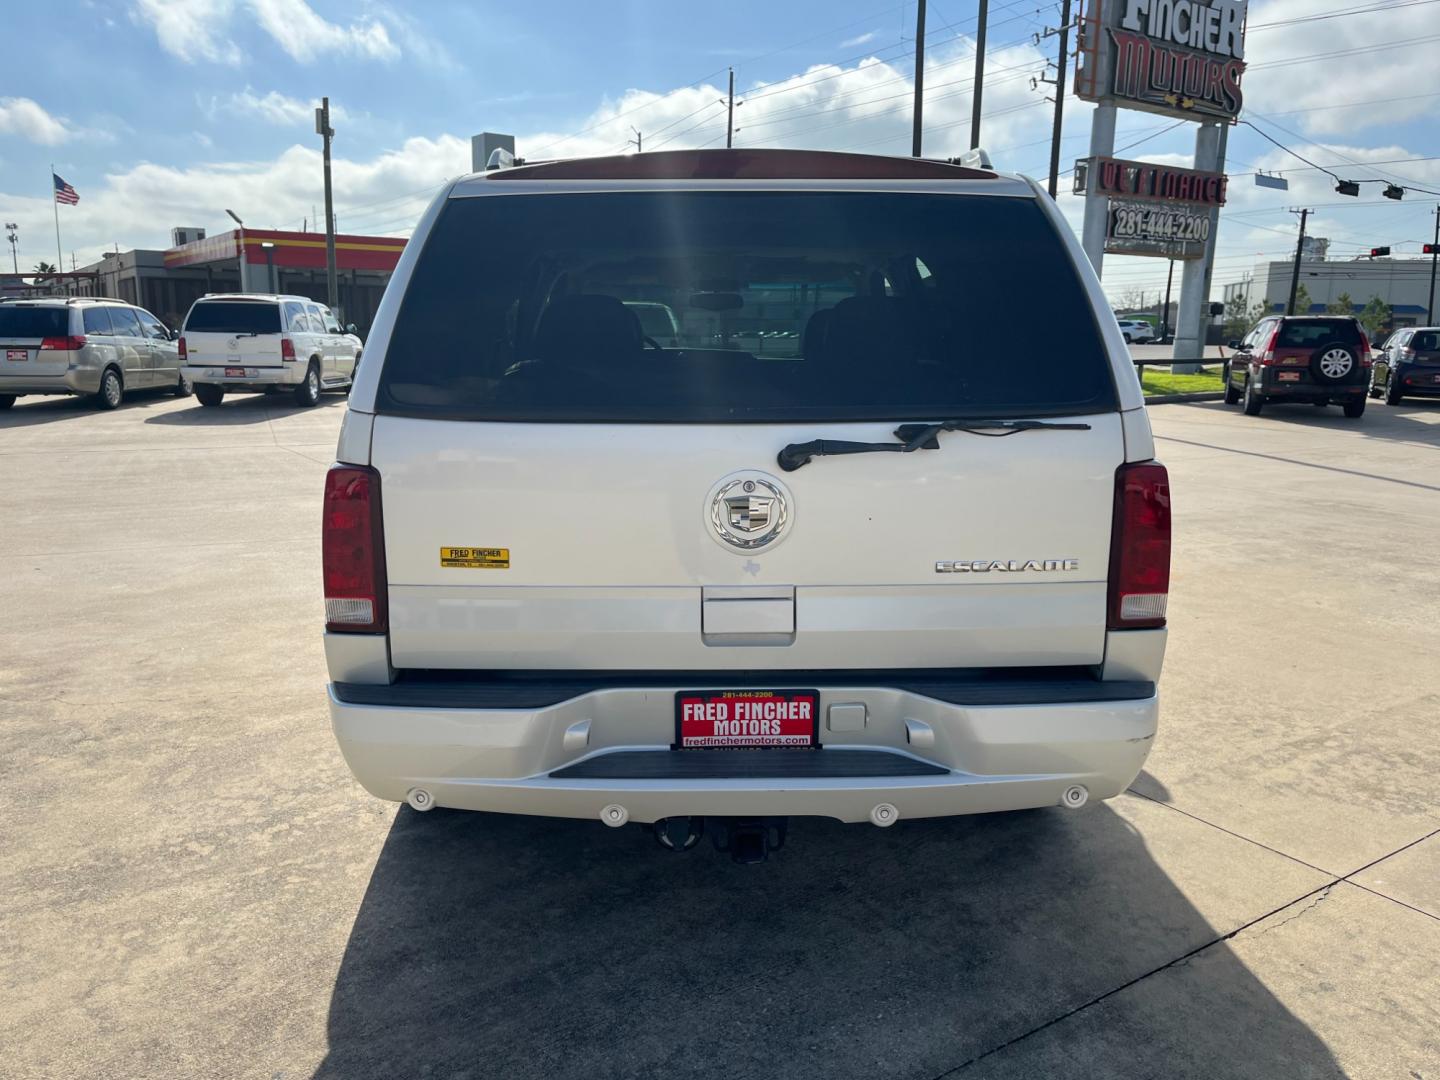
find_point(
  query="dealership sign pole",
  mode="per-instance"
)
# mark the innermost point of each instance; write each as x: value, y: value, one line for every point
x: 1180, y: 58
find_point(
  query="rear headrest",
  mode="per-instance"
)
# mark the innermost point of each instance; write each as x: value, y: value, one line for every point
x: 586, y: 329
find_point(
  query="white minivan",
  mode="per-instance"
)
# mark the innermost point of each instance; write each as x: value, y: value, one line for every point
x: 890, y: 572
x: 252, y: 342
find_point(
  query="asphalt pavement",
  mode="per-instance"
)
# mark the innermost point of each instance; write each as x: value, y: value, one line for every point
x: 191, y: 884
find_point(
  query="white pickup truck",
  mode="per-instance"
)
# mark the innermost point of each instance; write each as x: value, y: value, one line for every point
x: 894, y: 573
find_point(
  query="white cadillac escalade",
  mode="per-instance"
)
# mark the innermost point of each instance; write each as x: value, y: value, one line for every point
x: 827, y: 550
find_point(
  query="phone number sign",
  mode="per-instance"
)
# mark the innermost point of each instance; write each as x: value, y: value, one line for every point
x: 1169, y: 230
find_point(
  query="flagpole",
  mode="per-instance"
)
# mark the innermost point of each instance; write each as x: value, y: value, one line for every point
x: 59, y: 259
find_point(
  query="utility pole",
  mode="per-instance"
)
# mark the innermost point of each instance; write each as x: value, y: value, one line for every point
x: 12, y: 234
x: 979, y: 91
x: 638, y: 141
x: 1060, y: 97
x: 1165, y: 319
x: 1434, y: 254
x: 1295, y: 273
x: 919, y: 110
x: 730, y: 113
x: 326, y: 132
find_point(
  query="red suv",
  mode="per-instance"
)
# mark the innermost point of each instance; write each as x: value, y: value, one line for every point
x: 1323, y: 360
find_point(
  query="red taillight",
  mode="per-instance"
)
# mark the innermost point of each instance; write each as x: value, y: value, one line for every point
x: 1366, y: 357
x: 73, y: 343
x: 1140, y: 547
x: 353, y: 548
x: 1266, y: 356
x: 287, y: 349
x: 180, y: 346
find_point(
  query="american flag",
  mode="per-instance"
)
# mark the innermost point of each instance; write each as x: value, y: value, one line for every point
x: 64, y: 193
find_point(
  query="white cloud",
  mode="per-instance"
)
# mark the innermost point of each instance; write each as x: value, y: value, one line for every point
x: 305, y: 35
x: 1400, y: 65
x: 28, y: 119
x: 862, y: 107
x: 859, y: 39
x: 276, y: 108
x: 195, y: 30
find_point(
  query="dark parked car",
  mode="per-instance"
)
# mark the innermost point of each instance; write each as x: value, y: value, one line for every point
x: 1321, y: 360
x: 1408, y: 365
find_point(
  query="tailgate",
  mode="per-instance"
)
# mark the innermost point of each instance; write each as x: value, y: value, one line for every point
x: 572, y: 555
x: 23, y: 358
x: 249, y: 350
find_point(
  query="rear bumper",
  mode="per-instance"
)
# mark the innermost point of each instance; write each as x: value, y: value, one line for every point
x: 74, y: 381
x: 948, y: 757
x: 291, y: 373
x: 1310, y: 391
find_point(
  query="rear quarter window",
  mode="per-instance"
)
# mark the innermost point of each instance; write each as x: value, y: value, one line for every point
x: 33, y: 322
x: 233, y: 317
x: 787, y: 306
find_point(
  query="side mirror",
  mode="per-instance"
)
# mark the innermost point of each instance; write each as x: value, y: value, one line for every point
x: 1232, y: 345
x: 174, y: 335
x: 351, y: 328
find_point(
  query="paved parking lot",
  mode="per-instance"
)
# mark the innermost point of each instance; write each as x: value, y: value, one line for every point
x: 192, y: 885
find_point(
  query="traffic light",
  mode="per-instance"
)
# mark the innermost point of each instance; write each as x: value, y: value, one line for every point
x: 1375, y: 253
x: 1393, y: 192
x: 1431, y: 249
x: 1348, y: 187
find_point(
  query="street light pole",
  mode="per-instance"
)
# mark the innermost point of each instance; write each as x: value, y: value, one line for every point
x: 323, y: 129
x: 919, y: 109
x: 1060, y: 97
x: 1295, y: 272
x: 1434, y: 254
x: 730, y: 113
x: 13, y: 235
x: 978, y: 91
x: 244, y: 277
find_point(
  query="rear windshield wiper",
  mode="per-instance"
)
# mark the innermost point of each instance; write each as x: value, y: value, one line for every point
x: 912, y: 437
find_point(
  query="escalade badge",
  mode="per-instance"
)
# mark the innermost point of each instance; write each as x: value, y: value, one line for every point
x: 748, y: 512
x: 1004, y: 566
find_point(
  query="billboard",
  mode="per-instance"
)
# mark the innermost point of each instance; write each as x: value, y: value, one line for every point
x: 1143, y: 180
x: 1170, y: 230
x: 1182, y: 58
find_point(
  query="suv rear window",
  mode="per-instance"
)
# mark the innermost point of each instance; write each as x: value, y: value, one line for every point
x: 1426, y: 341
x: 1312, y: 333
x: 33, y: 322
x: 791, y: 306
x: 234, y: 317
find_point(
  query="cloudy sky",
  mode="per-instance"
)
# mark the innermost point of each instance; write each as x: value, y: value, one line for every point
x: 165, y: 112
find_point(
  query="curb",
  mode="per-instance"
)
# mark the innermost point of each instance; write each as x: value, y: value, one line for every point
x: 1172, y: 399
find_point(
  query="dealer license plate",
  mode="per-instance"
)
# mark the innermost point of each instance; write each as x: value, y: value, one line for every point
x: 234, y: 372
x: 739, y: 718
x: 1289, y: 376
x: 17, y: 354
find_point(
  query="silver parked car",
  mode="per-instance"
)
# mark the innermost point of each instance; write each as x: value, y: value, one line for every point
x: 59, y: 345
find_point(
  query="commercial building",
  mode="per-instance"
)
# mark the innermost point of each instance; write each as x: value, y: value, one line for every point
x: 168, y: 281
x: 1404, y: 284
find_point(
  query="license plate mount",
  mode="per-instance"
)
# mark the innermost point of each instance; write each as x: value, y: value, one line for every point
x: 748, y: 718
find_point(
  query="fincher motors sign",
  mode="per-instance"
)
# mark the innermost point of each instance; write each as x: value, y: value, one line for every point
x: 1181, y: 57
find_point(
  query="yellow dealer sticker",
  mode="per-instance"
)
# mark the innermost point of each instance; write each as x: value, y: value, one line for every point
x: 472, y: 558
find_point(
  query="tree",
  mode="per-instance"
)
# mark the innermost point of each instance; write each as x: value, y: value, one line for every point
x: 1237, y: 316
x: 1341, y: 305
x: 1130, y: 300
x: 1376, y: 317
x: 1302, y: 301
x: 43, y: 267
